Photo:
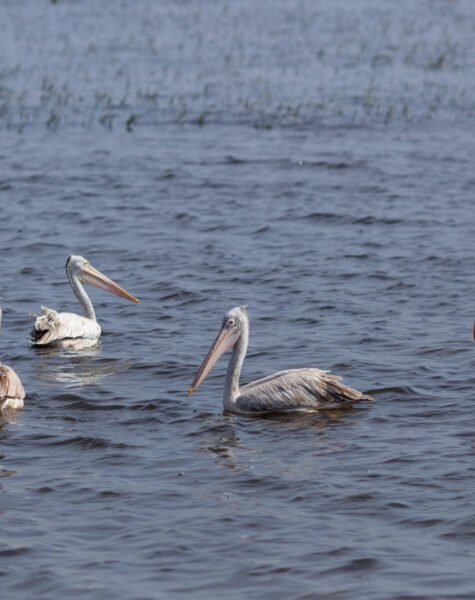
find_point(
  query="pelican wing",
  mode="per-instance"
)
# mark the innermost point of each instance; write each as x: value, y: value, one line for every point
x: 11, y: 389
x: 297, y: 389
x: 51, y: 326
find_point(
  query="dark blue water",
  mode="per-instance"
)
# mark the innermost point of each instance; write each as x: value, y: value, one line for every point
x: 347, y: 227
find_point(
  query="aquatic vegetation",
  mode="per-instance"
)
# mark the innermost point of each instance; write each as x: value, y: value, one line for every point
x: 346, y: 65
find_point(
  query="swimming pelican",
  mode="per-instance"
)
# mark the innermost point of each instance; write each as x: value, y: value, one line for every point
x: 285, y: 391
x: 11, y: 390
x: 69, y: 330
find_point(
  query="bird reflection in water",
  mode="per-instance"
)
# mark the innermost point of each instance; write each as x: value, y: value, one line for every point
x: 77, y: 369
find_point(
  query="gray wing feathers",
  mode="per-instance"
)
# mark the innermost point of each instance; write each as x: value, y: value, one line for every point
x: 51, y: 326
x: 297, y: 389
x: 46, y: 326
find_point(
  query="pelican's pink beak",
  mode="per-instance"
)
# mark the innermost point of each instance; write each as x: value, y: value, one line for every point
x: 94, y: 277
x: 224, y: 341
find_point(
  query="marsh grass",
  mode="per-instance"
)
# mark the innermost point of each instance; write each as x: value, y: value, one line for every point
x: 346, y: 65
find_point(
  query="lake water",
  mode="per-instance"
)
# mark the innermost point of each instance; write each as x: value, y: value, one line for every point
x: 311, y: 160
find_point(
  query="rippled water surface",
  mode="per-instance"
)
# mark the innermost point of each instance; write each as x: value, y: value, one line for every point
x: 311, y: 160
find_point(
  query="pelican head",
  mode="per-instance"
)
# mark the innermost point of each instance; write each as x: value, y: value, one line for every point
x: 81, y: 269
x: 234, y: 322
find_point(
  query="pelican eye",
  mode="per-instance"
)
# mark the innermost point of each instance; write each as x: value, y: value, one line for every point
x: 230, y: 322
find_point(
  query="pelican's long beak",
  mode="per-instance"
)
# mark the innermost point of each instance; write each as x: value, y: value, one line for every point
x: 94, y: 277
x: 224, y: 341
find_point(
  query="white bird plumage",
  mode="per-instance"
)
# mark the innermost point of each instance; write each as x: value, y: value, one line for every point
x: 69, y: 330
x: 12, y: 394
x: 285, y: 391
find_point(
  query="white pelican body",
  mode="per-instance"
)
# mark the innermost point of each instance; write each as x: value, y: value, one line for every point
x: 69, y: 330
x: 285, y: 391
x: 12, y: 393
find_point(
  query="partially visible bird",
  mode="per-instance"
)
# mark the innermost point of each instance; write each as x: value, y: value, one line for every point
x: 12, y: 393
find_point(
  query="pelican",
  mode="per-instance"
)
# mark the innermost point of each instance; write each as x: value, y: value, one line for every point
x: 293, y: 390
x: 11, y: 390
x: 69, y: 330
